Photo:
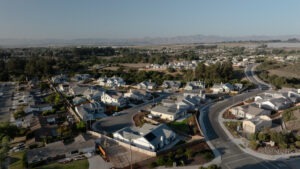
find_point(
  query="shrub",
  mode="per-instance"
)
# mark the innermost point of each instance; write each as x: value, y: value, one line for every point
x: 253, y: 145
x: 283, y: 145
x: 153, y: 165
x: 208, y: 155
x: 297, y: 143
x: 160, y: 161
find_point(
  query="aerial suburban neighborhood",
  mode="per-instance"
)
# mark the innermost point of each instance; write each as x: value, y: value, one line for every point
x: 149, y: 84
x: 131, y: 115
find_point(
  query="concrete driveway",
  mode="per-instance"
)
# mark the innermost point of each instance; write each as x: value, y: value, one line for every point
x: 97, y: 162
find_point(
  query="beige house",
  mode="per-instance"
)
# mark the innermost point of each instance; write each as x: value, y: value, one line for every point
x: 167, y: 113
x: 248, y: 111
x: 257, y: 124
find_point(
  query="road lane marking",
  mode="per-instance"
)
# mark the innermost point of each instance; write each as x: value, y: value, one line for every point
x: 232, y: 156
x: 235, y: 161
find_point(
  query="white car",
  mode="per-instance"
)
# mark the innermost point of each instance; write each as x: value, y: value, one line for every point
x: 116, y: 114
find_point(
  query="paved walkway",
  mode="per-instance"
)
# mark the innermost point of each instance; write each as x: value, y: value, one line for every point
x: 97, y: 162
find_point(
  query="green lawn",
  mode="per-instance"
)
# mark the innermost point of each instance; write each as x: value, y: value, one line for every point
x: 80, y: 164
x: 16, y: 160
x: 180, y: 126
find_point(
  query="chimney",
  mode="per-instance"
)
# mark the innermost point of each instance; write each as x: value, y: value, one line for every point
x: 289, y: 94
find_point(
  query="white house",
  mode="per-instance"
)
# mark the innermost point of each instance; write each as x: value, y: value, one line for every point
x: 248, y: 111
x: 217, y: 88
x: 168, y: 113
x: 149, y: 137
x: 91, y: 111
x: 63, y: 87
x: 275, y: 104
x: 111, y: 82
x: 228, y: 87
x: 137, y: 94
x: 200, y: 93
x: 147, y: 85
x: 113, y: 98
x: 257, y: 124
x: 193, y: 85
x: 171, y: 84
x: 93, y: 93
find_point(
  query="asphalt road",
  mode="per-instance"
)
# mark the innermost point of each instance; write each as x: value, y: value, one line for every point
x: 231, y: 155
x: 6, y: 90
x: 111, y: 124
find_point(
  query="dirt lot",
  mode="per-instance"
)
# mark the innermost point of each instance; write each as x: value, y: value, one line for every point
x: 294, y: 125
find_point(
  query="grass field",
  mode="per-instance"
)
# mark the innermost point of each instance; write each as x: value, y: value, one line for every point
x: 81, y: 164
x: 16, y: 160
x: 289, y: 71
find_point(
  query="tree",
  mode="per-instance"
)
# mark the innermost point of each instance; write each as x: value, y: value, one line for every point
x: 200, y: 71
x: 81, y: 126
x: 57, y: 99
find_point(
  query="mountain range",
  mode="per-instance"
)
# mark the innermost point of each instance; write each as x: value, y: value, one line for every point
x: 141, y: 41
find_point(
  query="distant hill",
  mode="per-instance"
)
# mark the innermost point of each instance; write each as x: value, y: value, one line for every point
x: 293, y: 40
x: 142, y: 41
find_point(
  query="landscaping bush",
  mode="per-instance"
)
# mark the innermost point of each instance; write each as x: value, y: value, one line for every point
x: 208, y: 156
x: 153, y: 165
x: 297, y: 143
x: 160, y: 161
x: 283, y: 145
x: 253, y: 145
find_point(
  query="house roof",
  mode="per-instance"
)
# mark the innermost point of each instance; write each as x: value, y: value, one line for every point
x: 259, y: 119
x: 165, y: 110
x: 278, y: 102
x: 251, y: 109
x: 151, y: 133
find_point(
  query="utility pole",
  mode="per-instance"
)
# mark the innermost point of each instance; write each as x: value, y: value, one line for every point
x: 130, y: 152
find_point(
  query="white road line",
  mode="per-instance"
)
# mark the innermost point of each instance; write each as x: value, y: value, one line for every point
x: 232, y: 156
x: 272, y: 164
x: 260, y: 163
x: 227, y: 164
x: 234, y: 161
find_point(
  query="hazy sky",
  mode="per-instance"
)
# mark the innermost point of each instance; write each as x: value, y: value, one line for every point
x: 68, y: 19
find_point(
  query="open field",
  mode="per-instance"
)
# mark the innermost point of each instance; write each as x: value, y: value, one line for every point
x: 290, y: 71
x: 16, y: 160
x: 128, y: 65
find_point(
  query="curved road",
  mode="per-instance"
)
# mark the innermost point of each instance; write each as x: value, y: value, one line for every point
x: 231, y: 155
